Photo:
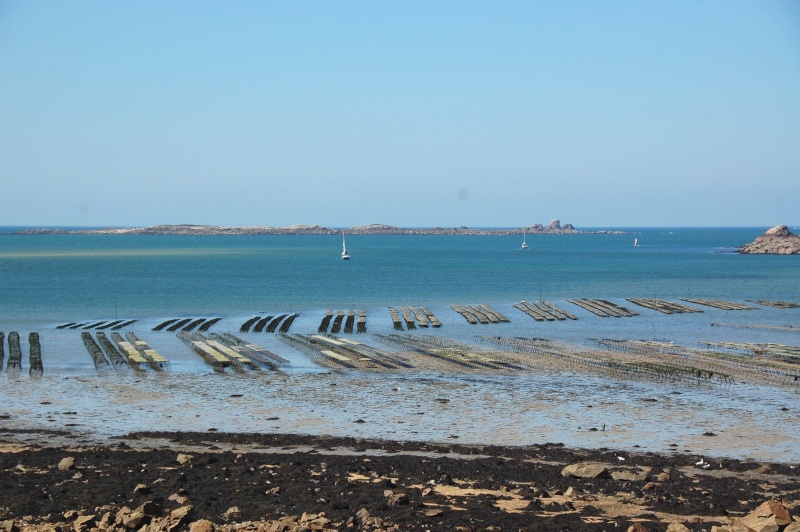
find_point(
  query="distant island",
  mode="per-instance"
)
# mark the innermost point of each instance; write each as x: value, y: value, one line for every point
x: 554, y: 228
x: 776, y: 241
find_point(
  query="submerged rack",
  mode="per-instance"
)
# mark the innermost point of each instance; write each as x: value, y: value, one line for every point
x: 603, y: 308
x: 150, y: 355
x: 255, y: 352
x: 217, y: 360
x: 94, y: 350
x: 716, y: 303
x: 665, y: 307
x: 334, y: 352
x: 481, y: 313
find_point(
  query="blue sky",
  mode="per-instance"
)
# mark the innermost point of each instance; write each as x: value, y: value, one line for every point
x: 484, y: 114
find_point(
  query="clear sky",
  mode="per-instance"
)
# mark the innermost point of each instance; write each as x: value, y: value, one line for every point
x: 410, y: 113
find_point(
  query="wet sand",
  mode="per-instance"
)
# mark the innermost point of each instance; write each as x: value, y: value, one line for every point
x: 577, y: 410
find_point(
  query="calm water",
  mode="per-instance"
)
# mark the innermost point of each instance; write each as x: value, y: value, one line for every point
x: 47, y: 280
x: 65, y: 277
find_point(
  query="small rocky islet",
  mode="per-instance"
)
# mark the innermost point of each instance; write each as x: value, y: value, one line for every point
x: 776, y: 241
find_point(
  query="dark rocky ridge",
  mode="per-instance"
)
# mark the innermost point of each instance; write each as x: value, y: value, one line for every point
x: 554, y: 227
x: 776, y: 241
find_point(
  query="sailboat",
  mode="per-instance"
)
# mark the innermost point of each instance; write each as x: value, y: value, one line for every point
x: 636, y: 242
x: 345, y: 256
x: 524, y: 244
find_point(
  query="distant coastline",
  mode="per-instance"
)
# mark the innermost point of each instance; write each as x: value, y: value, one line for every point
x: 554, y: 228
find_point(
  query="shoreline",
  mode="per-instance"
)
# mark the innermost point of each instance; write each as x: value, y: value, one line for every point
x: 175, y: 480
x: 580, y: 409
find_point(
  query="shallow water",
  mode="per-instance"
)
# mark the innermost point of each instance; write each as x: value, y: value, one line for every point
x: 552, y: 407
x: 47, y: 281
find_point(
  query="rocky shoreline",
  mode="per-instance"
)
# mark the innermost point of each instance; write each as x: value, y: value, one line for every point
x: 203, y: 482
x: 776, y: 241
x: 554, y: 228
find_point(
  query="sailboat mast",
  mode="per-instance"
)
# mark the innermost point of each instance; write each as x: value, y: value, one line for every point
x: 345, y: 256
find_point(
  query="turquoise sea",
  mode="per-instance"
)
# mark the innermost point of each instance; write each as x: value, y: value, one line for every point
x: 49, y: 280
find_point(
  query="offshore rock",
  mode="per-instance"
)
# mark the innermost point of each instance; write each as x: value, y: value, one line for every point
x: 776, y: 241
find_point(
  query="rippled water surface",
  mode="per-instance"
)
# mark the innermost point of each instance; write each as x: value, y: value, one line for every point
x: 46, y: 281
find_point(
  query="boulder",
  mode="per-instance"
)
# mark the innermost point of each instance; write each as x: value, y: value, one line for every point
x: 159, y: 524
x: 67, y: 464
x: 121, y: 513
x: 794, y: 527
x: 232, y: 513
x: 105, y: 521
x: 730, y: 528
x: 135, y: 519
x: 314, y: 521
x: 185, y: 458
x: 769, y: 517
x: 396, y: 499
x: 150, y: 508
x: 203, y: 525
x: 583, y: 470
x: 778, y: 230
x: 83, y: 523
x: 637, y: 527
x: 179, y: 498
x: 677, y: 527
x: 284, y: 524
x: 362, y: 515
x: 179, y: 517
x: 631, y: 476
x: 9, y: 526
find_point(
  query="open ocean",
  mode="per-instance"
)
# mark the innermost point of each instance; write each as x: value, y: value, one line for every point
x: 51, y: 278
x: 48, y: 280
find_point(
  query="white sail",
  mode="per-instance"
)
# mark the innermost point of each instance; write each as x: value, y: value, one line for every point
x: 524, y: 244
x: 345, y: 256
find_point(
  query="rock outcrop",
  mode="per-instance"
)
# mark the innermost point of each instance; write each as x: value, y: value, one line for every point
x: 776, y: 241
